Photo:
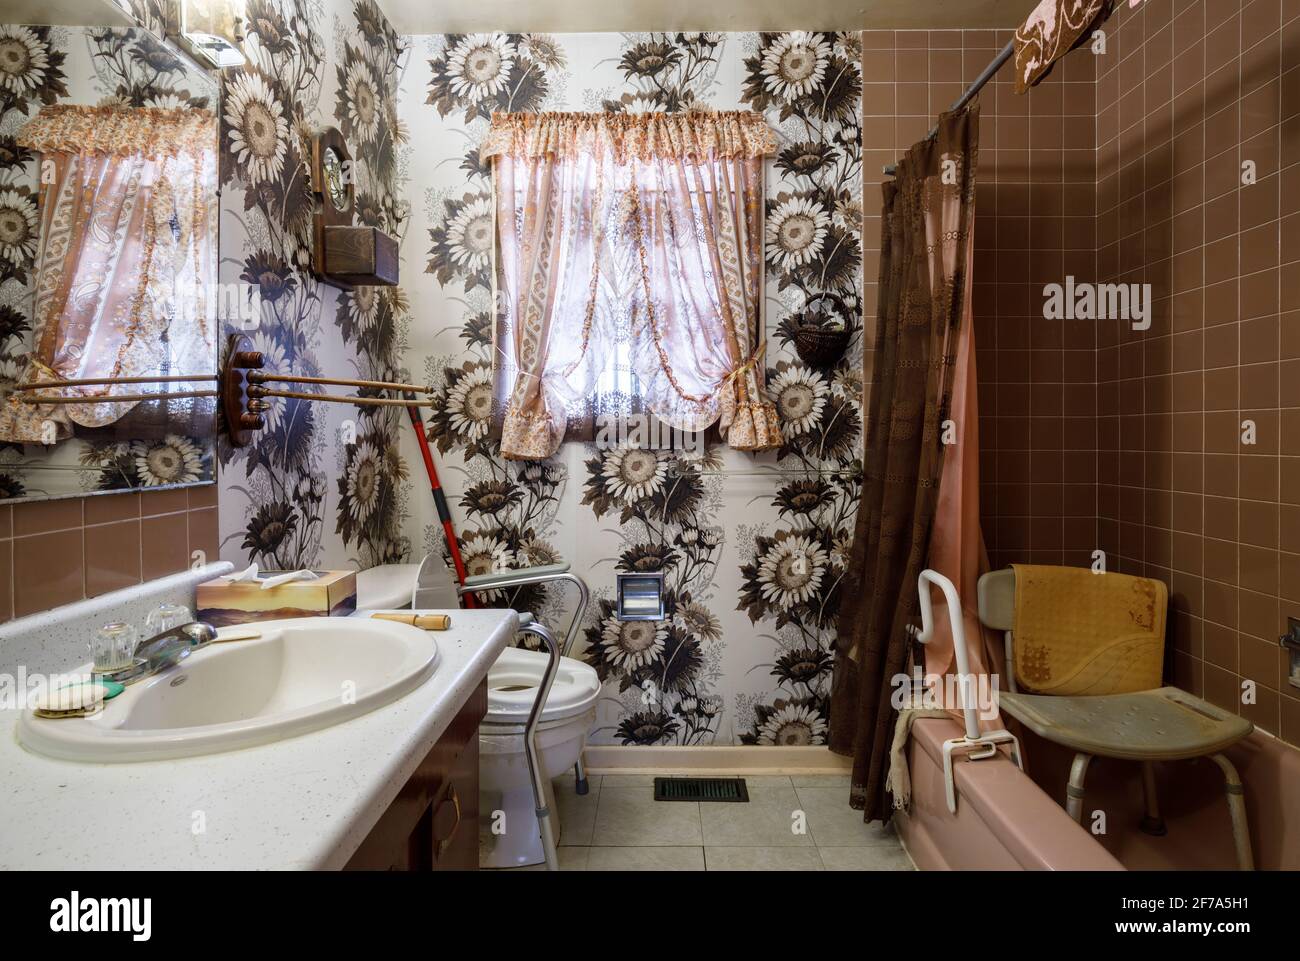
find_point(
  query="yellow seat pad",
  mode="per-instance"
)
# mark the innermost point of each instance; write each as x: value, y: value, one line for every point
x: 1081, y: 633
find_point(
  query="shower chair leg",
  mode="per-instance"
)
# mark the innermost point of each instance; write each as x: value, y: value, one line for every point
x: 1237, y: 808
x: 1152, y: 823
x: 1074, y: 790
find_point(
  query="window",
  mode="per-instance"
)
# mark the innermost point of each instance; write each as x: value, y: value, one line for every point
x: 630, y: 270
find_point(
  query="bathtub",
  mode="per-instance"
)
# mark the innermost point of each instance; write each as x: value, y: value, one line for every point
x: 1011, y: 820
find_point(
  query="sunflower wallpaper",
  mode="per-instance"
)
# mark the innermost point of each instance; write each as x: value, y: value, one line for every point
x: 39, y: 66
x: 322, y: 484
x: 753, y: 549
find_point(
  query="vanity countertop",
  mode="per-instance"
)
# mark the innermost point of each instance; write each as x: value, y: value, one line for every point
x: 305, y: 802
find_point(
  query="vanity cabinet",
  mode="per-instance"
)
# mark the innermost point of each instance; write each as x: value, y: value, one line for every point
x: 432, y: 824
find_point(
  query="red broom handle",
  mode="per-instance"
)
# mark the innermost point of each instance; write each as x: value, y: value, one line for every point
x: 439, y: 499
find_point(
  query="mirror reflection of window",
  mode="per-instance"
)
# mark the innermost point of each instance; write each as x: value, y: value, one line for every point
x: 108, y: 252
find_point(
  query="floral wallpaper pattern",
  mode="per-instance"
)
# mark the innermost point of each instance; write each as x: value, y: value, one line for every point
x: 321, y: 484
x: 752, y: 548
x: 42, y: 65
x: 752, y: 562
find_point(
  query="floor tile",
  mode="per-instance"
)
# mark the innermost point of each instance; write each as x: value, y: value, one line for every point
x: 573, y: 859
x: 645, y: 859
x: 762, y: 859
x: 873, y: 857
x: 833, y: 823
x: 768, y: 820
x: 631, y: 817
x: 765, y: 780
x: 577, y: 812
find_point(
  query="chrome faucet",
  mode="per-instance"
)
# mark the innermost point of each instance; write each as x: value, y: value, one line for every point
x: 164, y: 650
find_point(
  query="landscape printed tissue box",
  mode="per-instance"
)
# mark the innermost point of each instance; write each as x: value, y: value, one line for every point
x: 223, y: 601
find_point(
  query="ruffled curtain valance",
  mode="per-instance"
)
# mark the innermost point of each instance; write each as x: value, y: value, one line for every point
x: 148, y: 131
x: 630, y: 136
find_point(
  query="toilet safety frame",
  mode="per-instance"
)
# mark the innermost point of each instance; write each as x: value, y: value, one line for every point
x: 525, y: 577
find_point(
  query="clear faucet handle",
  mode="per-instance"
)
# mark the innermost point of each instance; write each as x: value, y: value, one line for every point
x: 165, y: 617
x: 113, y: 648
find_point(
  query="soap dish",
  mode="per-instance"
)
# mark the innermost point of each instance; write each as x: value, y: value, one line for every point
x: 82, y: 699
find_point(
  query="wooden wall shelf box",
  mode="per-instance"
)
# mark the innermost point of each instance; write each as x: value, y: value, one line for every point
x: 345, y: 254
x: 358, y: 256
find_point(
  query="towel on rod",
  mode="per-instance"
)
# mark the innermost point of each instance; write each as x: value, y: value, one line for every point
x: 1082, y: 633
x: 1053, y: 29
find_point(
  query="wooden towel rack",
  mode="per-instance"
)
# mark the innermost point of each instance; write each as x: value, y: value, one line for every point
x: 240, y: 387
x: 64, y: 399
x: 244, y: 392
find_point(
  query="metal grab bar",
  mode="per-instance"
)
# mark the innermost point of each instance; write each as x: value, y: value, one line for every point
x: 528, y: 576
x: 926, y: 634
x: 536, y: 773
x: 524, y: 578
x: 980, y: 745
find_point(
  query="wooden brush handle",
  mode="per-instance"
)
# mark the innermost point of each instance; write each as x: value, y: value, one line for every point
x: 426, y: 622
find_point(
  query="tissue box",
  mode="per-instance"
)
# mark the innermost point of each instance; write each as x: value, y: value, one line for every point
x: 222, y: 602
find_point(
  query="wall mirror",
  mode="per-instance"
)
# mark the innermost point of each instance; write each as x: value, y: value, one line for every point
x: 108, y: 254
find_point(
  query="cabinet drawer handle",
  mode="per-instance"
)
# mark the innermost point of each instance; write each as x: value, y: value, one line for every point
x: 440, y: 843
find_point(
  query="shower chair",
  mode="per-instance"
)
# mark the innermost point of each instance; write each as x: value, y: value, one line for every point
x: 1164, y: 724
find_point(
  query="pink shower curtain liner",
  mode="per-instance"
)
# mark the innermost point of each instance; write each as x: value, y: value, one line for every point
x: 957, y: 542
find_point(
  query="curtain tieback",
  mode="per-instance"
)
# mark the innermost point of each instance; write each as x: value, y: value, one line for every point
x: 748, y: 365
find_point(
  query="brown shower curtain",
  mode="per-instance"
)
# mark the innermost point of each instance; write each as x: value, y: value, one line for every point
x: 924, y: 267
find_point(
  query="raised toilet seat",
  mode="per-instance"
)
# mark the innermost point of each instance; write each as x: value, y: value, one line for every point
x: 508, y: 835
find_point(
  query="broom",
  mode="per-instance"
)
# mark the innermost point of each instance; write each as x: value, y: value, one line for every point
x: 439, y: 499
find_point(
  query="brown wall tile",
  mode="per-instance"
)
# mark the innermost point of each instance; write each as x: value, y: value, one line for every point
x: 47, y: 571
x: 55, y: 552
x: 1128, y: 168
x: 112, y: 556
x: 164, y: 548
x: 6, y: 579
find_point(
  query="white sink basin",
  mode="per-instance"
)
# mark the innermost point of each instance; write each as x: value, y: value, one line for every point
x: 301, y: 675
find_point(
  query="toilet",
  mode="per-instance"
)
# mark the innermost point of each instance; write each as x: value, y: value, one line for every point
x: 509, y: 835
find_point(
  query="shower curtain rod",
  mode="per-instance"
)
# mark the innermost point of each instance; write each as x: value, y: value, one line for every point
x: 1006, y: 53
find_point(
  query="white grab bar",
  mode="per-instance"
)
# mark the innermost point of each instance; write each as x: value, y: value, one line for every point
x: 980, y: 745
x: 965, y: 680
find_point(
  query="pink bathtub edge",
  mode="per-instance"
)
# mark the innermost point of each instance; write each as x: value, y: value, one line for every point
x: 1003, y: 820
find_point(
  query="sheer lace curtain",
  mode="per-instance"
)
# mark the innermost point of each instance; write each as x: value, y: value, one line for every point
x: 640, y: 230
x: 126, y: 263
